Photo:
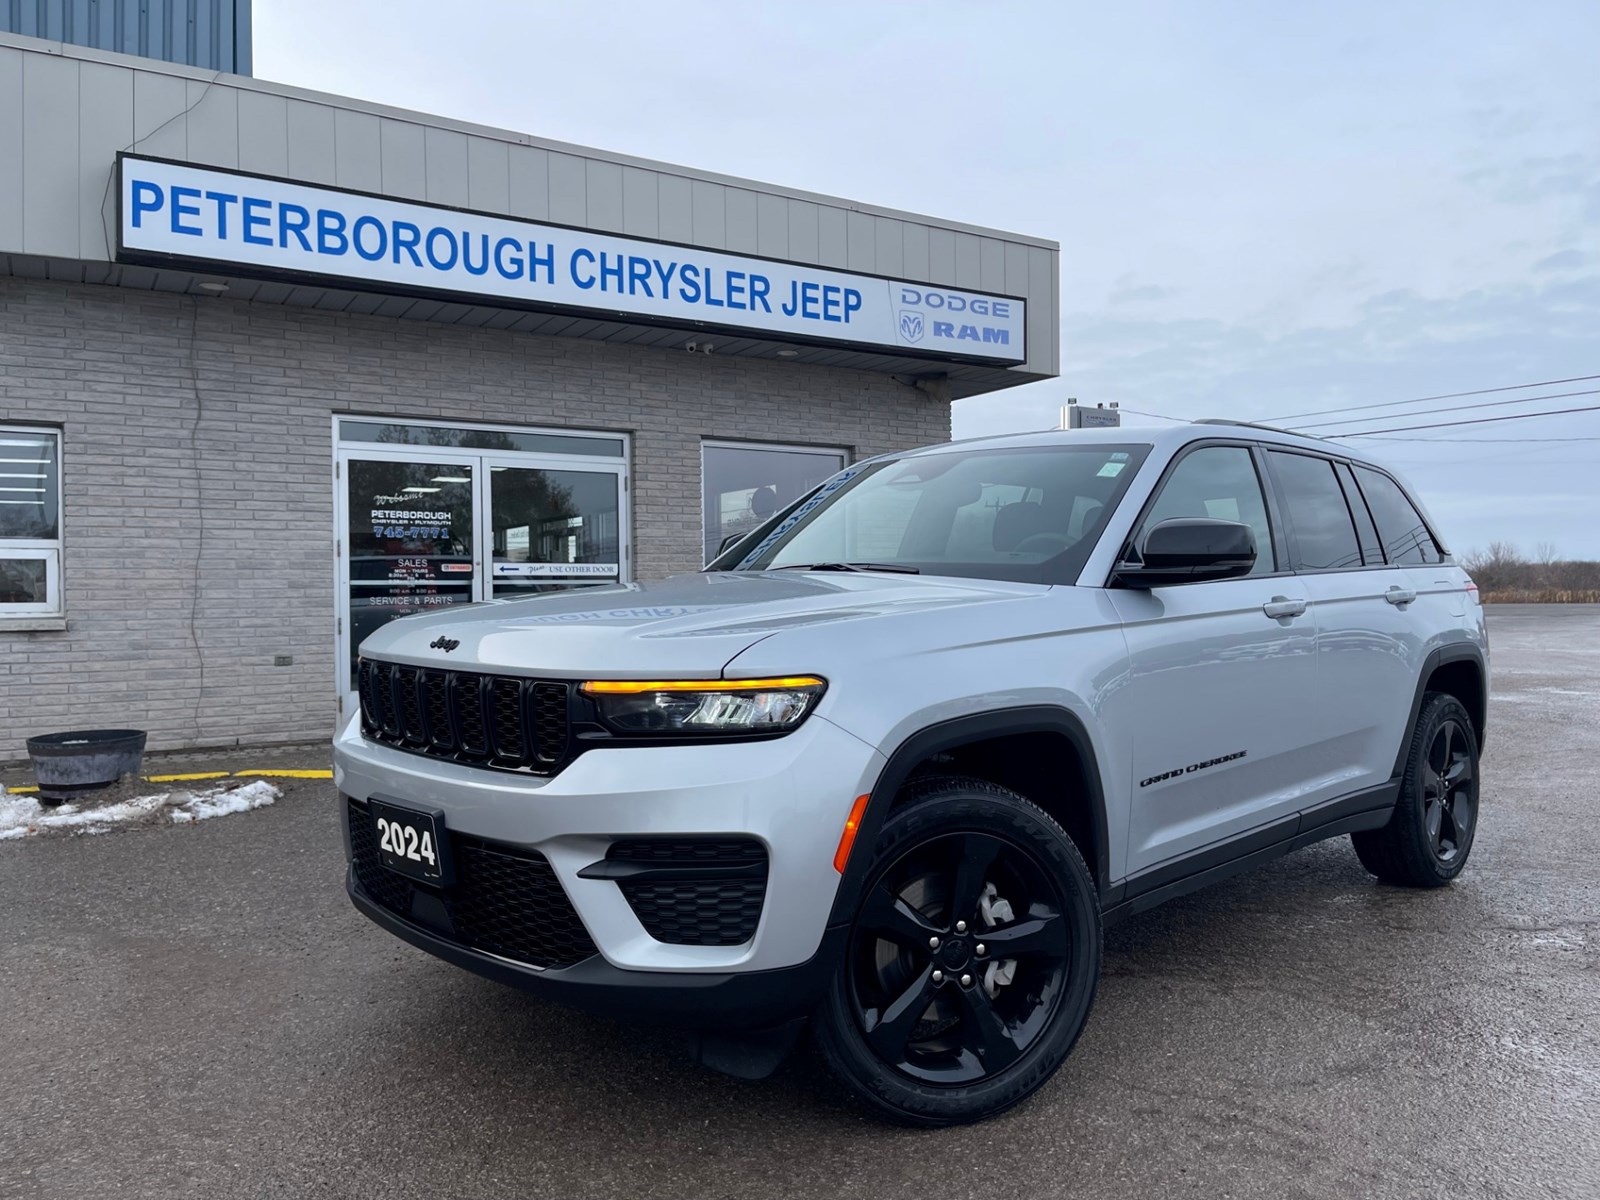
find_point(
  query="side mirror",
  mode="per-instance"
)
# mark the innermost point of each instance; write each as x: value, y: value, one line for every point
x: 725, y: 543
x: 1190, y: 550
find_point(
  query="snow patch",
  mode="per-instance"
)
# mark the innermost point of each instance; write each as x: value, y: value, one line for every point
x: 221, y: 802
x: 24, y: 816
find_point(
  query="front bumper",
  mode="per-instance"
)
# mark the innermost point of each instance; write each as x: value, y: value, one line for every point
x: 721, y: 1001
x: 791, y: 794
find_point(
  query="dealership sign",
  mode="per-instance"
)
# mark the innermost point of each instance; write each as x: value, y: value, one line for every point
x: 170, y: 211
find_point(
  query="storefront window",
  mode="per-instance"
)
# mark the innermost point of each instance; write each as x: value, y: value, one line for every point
x: 554, y: 529
x: 30, y: 522
x: 745, y: 483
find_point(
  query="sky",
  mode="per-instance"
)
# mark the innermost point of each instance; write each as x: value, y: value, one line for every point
x: 1265, y: 210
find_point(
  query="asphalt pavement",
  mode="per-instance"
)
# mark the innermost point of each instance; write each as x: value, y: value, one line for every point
x: 198, y: 1011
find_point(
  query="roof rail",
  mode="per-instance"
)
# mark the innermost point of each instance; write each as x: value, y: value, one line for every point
x: 1255, y: 425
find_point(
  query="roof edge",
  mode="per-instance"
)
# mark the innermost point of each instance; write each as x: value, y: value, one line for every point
x: 35, y: 45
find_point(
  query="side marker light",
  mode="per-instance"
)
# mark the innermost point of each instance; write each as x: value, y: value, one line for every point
x: 852, y: 825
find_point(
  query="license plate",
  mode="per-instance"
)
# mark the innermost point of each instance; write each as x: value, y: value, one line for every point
x: 411, y: 841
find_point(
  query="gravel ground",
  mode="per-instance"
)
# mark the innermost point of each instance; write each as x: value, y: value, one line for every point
x: 197, y: 1011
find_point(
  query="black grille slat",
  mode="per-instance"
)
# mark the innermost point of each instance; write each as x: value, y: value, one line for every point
x: 505, y: 900
x: 436, y: 708
x: 548, y: 722
x: 501, y: 721
x: 508, y: 721
x: 408, y: 706
x: 364, y: 686
x: 380, y: 688
x: 467, y: 691
x: 383, y: 694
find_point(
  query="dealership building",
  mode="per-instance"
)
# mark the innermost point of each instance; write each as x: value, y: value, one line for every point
x: 278, y: 366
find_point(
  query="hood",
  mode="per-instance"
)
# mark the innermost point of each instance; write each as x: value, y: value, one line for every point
x: 688, y: 626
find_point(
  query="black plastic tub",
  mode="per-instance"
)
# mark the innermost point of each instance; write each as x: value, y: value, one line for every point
x: 69, y: 764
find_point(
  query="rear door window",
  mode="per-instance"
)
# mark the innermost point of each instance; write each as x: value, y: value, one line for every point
x: 1322, y: 535
x: 1406, y: 538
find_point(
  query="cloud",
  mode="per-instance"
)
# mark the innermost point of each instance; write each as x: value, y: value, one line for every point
x: 1536, y: 178
x: 1128, y: 293
x: 1503, y: 122
x: 1562, y: 260
x: 1401, y: 344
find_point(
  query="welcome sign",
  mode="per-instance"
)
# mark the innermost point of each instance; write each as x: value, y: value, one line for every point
x: 172, y: 211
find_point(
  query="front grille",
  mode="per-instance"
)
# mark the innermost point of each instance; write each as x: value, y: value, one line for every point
x: 509, y: 902
x: 505, y: 900
x: 390, y: 890
x: 501, y: 721
x: 695, y: 891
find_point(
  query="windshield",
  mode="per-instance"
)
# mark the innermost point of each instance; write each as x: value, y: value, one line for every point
x: 1029, y: 515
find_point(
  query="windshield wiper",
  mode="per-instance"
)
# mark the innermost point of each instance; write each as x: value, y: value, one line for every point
x: 896, y: 568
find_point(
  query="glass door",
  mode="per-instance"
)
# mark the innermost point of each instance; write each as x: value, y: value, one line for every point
x: 408, y: 543
x: 431, y: 515
x: 553, y: 526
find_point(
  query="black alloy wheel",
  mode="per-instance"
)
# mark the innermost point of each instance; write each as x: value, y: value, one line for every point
x: 1426, y: 842
x: 972, y: 961
x: 1450, y: 794
x: 928, y: 956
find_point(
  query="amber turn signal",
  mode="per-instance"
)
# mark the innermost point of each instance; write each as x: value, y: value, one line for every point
x: 847, y: 839
x: 631, y: 687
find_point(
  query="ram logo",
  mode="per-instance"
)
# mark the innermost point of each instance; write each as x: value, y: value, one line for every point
x: 911, y: 326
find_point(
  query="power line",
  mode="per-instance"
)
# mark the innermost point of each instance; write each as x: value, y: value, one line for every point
x: 1423, y: 412
x: 1498, y: 441
x: 1554, y: 412
x: 1157, y: 416
x: 1516, y: 387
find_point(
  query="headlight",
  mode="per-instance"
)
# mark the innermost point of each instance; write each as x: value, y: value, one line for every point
x: 704, y: 706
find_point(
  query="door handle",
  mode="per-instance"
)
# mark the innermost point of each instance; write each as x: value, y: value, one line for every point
x: 1282, y: 606
x: 1400, y: 596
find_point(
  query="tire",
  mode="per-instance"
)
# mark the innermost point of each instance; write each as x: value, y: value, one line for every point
x: 1427, y: 841
x: 914, y: 1031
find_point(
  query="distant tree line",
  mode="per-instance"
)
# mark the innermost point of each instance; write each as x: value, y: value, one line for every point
x: 1505, y: 575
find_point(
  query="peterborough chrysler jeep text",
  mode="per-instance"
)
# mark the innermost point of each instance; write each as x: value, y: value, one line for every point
x: 893, y: 758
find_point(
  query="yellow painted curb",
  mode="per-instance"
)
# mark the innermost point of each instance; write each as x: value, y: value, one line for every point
x: 196, y: 775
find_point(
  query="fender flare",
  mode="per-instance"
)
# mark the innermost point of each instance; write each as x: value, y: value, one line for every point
x: 947, y: 735
x: 1438, y: 657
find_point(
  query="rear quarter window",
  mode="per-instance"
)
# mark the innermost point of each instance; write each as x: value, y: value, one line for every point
x: 1405, y: 535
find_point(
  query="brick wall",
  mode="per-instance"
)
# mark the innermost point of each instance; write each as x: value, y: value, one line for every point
x: 198, y: 504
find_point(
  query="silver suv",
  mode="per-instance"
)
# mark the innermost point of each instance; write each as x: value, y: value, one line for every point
x: 892, y: 761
